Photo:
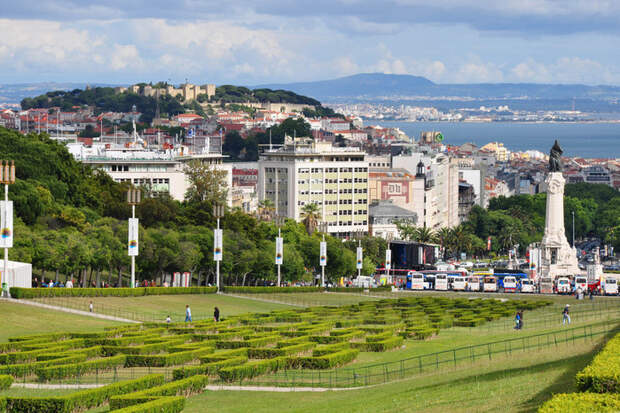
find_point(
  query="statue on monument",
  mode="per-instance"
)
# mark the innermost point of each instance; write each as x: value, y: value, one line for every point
x: 555, y: 158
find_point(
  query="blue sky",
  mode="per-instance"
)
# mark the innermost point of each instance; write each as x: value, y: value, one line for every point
x: 267, y: 41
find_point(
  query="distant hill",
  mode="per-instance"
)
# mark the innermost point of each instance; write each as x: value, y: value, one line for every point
x: 14, y: 93
x: 379, y: 85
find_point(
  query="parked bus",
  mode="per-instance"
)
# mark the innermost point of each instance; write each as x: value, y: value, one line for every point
x: 545, y: 285
x: 489, y: 284
x: 609, y: 286
x: 441, y: 282
x: 415, y: 281
x: 581, y: 283
x: 562, y: 285
x: 459, y: 283
x: 527, y: 286
x: 473, y: 283
x: 509, y: 284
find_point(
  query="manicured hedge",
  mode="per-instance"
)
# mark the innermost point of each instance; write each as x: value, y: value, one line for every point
x: 273, y: 290
x: 330, y: 348
x: 223, y: 355
x: 18, y: 292
x: 208, y: 368
x: 323, y: 362
x: 184, y: 387
x: 164, y: 360
x: 268, y: 353
x: 160, y: 405
x: 602, y: 375
x: 378, y: 346
x: 252, y: 369
x: 81, y: 400
x: 143, y: 349
x: 254, y: 342
x: 582, y: 403
x: 5, y: 382
x: 21, y: 370
x: 77, y: 369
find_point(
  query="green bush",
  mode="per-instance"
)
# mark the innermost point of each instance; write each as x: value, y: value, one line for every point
x: 77, y: 369
x: 273, y: 290
x: 159, y: 405
x: 268, y: 353
x: 5, y: 382
x: 21, y: 370
x: 254, y: 342
x: 292, y: 341
x: 164, y: 360
x: 323, y: 362
x: 143, y: 349
x: 337, y: 339
x: 223, y: 355
x: 18, y: 292
x: 602, y: 375
x: 252, y: 369
x: 81, y: 400
x: 184, y: 387
x: 378, y: 346
x: 325, y: 349
x: 581, y: 403
x: 208, y: 368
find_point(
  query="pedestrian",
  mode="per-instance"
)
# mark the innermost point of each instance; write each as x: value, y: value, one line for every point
x: 517, y: 320
x: 90, y: 307
x: 35, y: 282
x: 216, y: 314
x: 520, y: 319
x: 168, y: 320
x: 565, y: 315
x: 591, y: 294
x: 69, y: 283
x: 188, y: 314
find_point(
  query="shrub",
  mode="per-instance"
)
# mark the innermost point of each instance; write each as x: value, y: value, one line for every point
x: 5, y: 382
x: 252, y: 369
x: 77, y: 369
x: 292, y: 341
x: 208, y: 368
x: 273, y: 290
x: 254, y: 342
x: 323, y: 362
x: 184, y: 387
x: 223, y: 355
x: 81, y: 400
x: 581, y: 403
x: 378, y: 346
x: 329, y: 349
x: 267, y: 353
x: 159, y: 405
x: 18, y: 292
x: 143, y: 349
x: 163, y: 360
x: 337, y: 339
x: 21, y: 370
x: 602, y: 375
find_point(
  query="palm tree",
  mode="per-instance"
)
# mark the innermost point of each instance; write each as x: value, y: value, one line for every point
x: 311, y: 216
x: 266, y: 209
x: 424, y: 235
x: 444, y: 236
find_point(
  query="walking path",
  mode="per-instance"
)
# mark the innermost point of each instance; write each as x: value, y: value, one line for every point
x: 209, y: 387
x: 68, y: 310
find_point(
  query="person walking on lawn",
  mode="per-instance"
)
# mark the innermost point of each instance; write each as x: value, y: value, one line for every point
x: 188, y: 314
x: 565, y: 315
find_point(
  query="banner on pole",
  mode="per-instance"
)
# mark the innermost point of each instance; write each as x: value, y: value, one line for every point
x: 279, y: 250
x: 388, y: 259
x: 360, y: 258
x: 6, y: 212
x: 217, y: 244
x: 133, y: 237
x: 323, y: 254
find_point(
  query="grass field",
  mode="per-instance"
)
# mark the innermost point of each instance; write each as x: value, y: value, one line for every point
x: 21, y: 319
x: 157, y: 307
x: 512, y: 384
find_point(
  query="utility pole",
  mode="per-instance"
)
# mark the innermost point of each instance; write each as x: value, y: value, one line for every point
x: 573, y: 229
x: 7, y: 177
x: 133, y: 199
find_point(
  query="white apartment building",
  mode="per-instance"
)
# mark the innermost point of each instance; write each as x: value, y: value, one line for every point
x: 336, y: 179
x: 160, y: 171
x: 441, y: 189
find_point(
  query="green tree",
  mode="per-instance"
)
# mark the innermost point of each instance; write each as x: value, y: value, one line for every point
x: 207, y: 183
x: 311, y: 216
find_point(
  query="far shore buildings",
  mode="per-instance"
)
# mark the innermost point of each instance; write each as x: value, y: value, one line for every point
x: 335, y: 179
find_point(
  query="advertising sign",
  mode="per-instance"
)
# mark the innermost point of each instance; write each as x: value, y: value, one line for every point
x: 217, y: 244
x: 388, y: 259
x: 360, y: 258
x: 323, y: 254
x: 6, y: 224
x: 279, y: 250
x: 133, y: 237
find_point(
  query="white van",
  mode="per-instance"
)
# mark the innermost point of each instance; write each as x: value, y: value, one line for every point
x: 562, y: 285
x: 610, y: 286
x: 459, y: 283
x: 473, y: 283
x: 441, y: 282
x: 527, y: 285
x: 489, y: 284
x: 510, y: 284
x: 581, y: 283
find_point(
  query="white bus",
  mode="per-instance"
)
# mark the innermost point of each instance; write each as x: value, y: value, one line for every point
x: 527, y: 285
x: 459, y: 283
x: 473, y: 283
x: 416, y: 280
x: 489, y: 284
x: 510, y: 284
x: 441, y: 282
x: 581, y: 283
x: 610, y: 286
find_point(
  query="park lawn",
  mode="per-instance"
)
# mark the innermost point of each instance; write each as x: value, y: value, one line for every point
x: 21, y: 319
x: 22, y: 392
x: 313, y: 299
x: 517, y: 383
x: 157, y: 307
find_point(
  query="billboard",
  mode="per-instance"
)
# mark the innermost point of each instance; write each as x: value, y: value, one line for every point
x: 133, y: 237
x: 388, y: 259
x: 6, y: 224
x: 360, y: 258
x: 323, y: 254
x: 217, y: 244
x: 279, y: 250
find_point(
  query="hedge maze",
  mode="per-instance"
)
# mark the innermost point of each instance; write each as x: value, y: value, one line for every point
x: 599, y: 382
x: 232, y: 350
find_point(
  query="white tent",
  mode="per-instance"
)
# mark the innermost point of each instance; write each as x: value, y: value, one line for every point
x: 19, y: 274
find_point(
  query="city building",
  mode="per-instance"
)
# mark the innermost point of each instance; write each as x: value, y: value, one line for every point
x: 384, y: 215
x: 467, y: 199
x: 159, y: 171
x: 335, y: 179
x: 597, y: 175
x: 399, y: 186
x: 187, y: 90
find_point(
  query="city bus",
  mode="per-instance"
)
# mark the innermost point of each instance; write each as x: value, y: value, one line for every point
x: 473, y: 283
x: 415, y: 280
x: 459, y: 283
x: 509, y: 284
x: 441, y: 282
x: 489, y: 284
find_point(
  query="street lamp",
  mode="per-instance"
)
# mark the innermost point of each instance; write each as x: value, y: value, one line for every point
x: 7, y: 177
x: 360, y: 252
x: 279, y: 245
x: 323, y: 228
x: 218, y: 212
x: 133, y: 199
x: 573, y: 229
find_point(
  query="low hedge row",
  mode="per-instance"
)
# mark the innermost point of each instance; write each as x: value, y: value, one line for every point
x: 208, y: 368
x: 184, y: 387
x: 602, y: 375
x: 77, y: 369
x: 81, y: 400
x: 337, y: 339
x: 5, y: 381
x: 164, y: 360
x: 252, y: 369
x: 89, y: 352
x: 292, y: 341
x: 73, y: 343
x: 254, y: 342
x: 323, y: 362
x: 26, y: 369
x: 18, y: 292
x: 325, y: 349
x: 379, y: 346
x: 223, y: 355
x: 582, y: 403
x: 273, y: 290
x: 143, y: 349
x: 159, y: 405
x: 268, y: 353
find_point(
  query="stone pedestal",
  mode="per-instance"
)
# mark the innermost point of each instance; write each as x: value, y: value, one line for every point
x: 557, y: 256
